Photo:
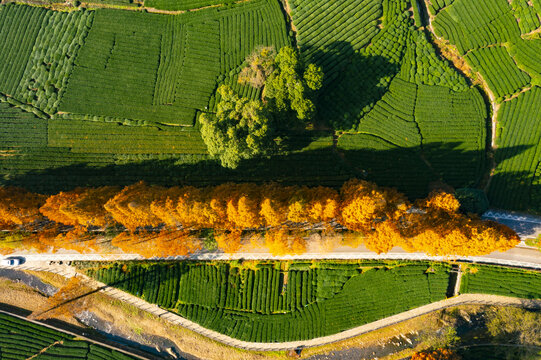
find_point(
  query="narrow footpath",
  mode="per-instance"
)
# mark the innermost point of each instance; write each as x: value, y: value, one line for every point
x: 464, y: 299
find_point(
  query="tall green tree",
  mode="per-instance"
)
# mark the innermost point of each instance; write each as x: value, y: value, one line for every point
x: 292, y: 85
x: 244, y: 128
x: 241, y: 129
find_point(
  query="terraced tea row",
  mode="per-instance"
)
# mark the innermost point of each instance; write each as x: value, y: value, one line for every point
x: 20, y: 339
x: 496, y: 280
x: 421, y: 123
x: 276, y: 302
x: 498, y: 40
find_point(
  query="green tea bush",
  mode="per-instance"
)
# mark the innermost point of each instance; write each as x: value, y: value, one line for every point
x: 497, y: 280
x: 499, y: 70
x: 20, y: 339
x: 264, y: 303
x: 517, y: 158
x: 21, y: 26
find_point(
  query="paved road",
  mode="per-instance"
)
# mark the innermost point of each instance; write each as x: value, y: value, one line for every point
x: 519, y: 256
x: 525, y: 225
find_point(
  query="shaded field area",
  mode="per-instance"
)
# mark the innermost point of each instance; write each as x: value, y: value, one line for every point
x: 405, y: 169
x: 499, y: 41
x: 93, y: 108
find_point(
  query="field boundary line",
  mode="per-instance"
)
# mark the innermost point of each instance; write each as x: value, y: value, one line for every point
x: 463, y: 299
x: 75, y: 335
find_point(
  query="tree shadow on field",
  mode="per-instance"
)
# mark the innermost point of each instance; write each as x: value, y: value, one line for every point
x: 352, y: 81
x: 411, y: 171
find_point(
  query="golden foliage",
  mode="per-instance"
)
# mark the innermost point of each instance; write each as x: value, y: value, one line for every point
x: 382, y: 217
x: 131, y: 206
x: 229, y: 242
x: 77, y: 239
x: 164, y: 207
x: 439, y: 354
x: 89, y: 210
x: 274, y: 204
x: 363, y: 203
x: 280, y: 242
x: 81, y: 206
x: 242, y: 205
x: 157, y: 244
x: 196, y: 207
x: 312, y: 205
x: 383, y: 238
x: 18, y: 206
x: 441, y: 201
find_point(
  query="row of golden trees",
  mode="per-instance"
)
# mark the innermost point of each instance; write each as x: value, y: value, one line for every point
x: 382, y: 217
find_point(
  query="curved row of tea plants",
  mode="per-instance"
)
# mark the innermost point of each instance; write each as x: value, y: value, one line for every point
x: 20, y: 339
x: 410, y: 111
x: 497, y: 280
x: 280, y: 301
x: 498, y: 39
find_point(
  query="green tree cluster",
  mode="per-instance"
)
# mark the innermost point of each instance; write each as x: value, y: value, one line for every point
x: 245, y: 128
x: 292, y: 86
x: 240, y: 129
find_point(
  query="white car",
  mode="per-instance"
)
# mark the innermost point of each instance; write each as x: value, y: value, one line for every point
x: 11, y: 262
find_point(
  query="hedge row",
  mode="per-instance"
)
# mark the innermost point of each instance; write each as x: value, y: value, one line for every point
x: 265, y: 302
x: 20, y: 339
x: 498, y: 280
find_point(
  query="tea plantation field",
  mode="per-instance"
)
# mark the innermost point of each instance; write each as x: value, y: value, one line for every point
x: 96, y: 96
x: 280, y: 301
x: 496, y: 280
x: 500, y: 40
x: 20, y: 339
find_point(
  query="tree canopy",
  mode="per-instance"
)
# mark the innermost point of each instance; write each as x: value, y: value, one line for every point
x: 292, y: 85
x: 381, y: 217
x: 241, y: 129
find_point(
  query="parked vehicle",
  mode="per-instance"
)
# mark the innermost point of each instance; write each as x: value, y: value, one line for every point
x: 11, y: 261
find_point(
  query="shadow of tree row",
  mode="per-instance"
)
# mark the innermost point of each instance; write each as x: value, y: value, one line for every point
x: 412, y: 171
x: 352, y: 81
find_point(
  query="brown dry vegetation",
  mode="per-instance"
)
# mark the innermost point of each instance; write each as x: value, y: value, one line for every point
x: 451, y: 53
x: 20, y: 295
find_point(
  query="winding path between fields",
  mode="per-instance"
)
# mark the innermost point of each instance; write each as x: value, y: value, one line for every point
x: 520, y: 257
x: 464, y: 299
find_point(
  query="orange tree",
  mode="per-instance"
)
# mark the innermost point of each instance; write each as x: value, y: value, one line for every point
x: 382, y: 217
x: 18, y: 206
x: 131, y: 206
x: 81, y: 206
x: 162, y: 243
x: 280, y: 242
x: 365, y: 204
x: 437, y: 227
x: 438, y: 354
